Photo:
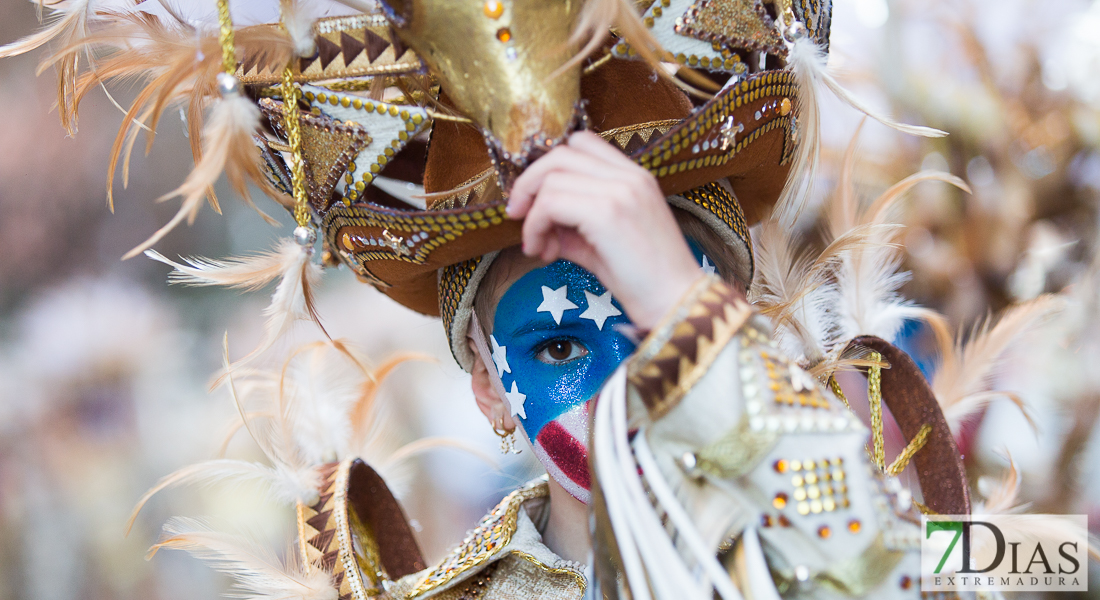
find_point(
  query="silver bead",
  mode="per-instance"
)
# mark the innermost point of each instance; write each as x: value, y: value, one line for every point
x: 305, y: 236
x: 228, y: 85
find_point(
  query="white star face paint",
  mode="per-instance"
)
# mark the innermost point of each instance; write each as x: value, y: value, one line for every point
x: 599, y: 308
x: 500, y: 357
x: 516, y: 401
x: 555, y: 302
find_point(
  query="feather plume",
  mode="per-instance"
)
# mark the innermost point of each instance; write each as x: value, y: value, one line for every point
x: 595, y: 22
x: 794, y: 288
x: 960, y: 381
x: 286, y: 486
x: 1000, y: 498
x: 227, y: 147
x: 177, y: 63
x: 292, y: 300
x: 248, y: 273
x: 256, y: 572
x: 867, y: 279
x: 299, y: 25
x: 808, y: 63
x: 69, y: 25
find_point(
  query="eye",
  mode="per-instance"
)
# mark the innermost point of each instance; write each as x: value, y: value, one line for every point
x: 560, y: 351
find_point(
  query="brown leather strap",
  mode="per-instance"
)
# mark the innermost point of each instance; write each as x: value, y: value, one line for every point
x: 375, y: 505
x: 907, y: 394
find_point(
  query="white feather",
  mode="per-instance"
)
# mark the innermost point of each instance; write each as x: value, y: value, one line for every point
x: 808, y: 63
x: 256, y: 572
x: 286, y: 485
x: 248, y: 273
x: 963, y: 376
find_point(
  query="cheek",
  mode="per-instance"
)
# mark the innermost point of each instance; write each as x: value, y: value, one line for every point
x: 561, y: 447
x: 554, y: 390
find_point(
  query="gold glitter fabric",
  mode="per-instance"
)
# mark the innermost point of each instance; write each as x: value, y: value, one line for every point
x: 502, y: 558
x: 734, y: 24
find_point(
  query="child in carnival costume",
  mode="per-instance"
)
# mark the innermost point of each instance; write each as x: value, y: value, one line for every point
x: 589, y: 171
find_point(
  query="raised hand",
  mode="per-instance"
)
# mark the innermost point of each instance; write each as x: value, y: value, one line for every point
x: 587, y: 202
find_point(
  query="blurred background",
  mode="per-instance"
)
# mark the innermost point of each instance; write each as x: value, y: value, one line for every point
x: 105, y: 369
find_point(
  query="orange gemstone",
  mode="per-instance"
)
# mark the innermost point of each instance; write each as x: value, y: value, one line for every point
x: 854, y: 526
x: 785, y: 106
x: 504, y: 34
x: 494, y: 8
x: 906, y: 582
x: 780, y: 500
x: 781, y: 465
x: 784, y: 521
x: 766, y: 521
x: 824, y: 532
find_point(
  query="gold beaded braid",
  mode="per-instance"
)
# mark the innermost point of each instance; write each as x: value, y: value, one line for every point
x: 225, y: 22
x: 906, y: 455
x: 874, y: 394
x: 834, y: 385
x: 291, y: 94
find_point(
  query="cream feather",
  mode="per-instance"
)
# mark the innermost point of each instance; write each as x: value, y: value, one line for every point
x: 867, y: 279
x: 227, y: 146
x: 69, y: 26
x: 256, y: 572
x: 795, y: 288
x: 1000, y: 498
x: 299, y: 25
x: 808, y: 63
x: 965, y: 370
x: 248, y: 273
x: 286, y: 486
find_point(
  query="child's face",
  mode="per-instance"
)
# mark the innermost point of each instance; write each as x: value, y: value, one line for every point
x: 554, y: 343
x: 556, y: 338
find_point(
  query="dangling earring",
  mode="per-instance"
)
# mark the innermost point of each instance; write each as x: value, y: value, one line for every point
x: 507, y: 437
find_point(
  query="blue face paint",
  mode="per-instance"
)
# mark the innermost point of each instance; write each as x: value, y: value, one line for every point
x: 555, y: 342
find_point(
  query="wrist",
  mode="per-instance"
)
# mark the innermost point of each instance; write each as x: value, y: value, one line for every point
x: 664, y: 298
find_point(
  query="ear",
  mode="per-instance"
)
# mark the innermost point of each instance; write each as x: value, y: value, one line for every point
x: 488, y: 400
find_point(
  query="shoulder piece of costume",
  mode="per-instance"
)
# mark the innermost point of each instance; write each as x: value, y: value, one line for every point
x: 503, y: 557
x: 773, y: 466
x: 357, y: 531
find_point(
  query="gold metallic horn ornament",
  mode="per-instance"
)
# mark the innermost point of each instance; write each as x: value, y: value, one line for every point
x: 498, y: 62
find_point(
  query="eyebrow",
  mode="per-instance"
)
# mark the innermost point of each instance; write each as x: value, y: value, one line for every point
x: 539, y: 325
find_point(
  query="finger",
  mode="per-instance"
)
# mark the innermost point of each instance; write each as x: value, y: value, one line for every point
x: 596, y: 146
x: 564, y: 201
x: 576, y: 249
x: 560, y: 159
x: 552, y: 249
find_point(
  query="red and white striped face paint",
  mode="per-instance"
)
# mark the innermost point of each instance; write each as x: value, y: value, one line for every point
x: 562, y: 447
